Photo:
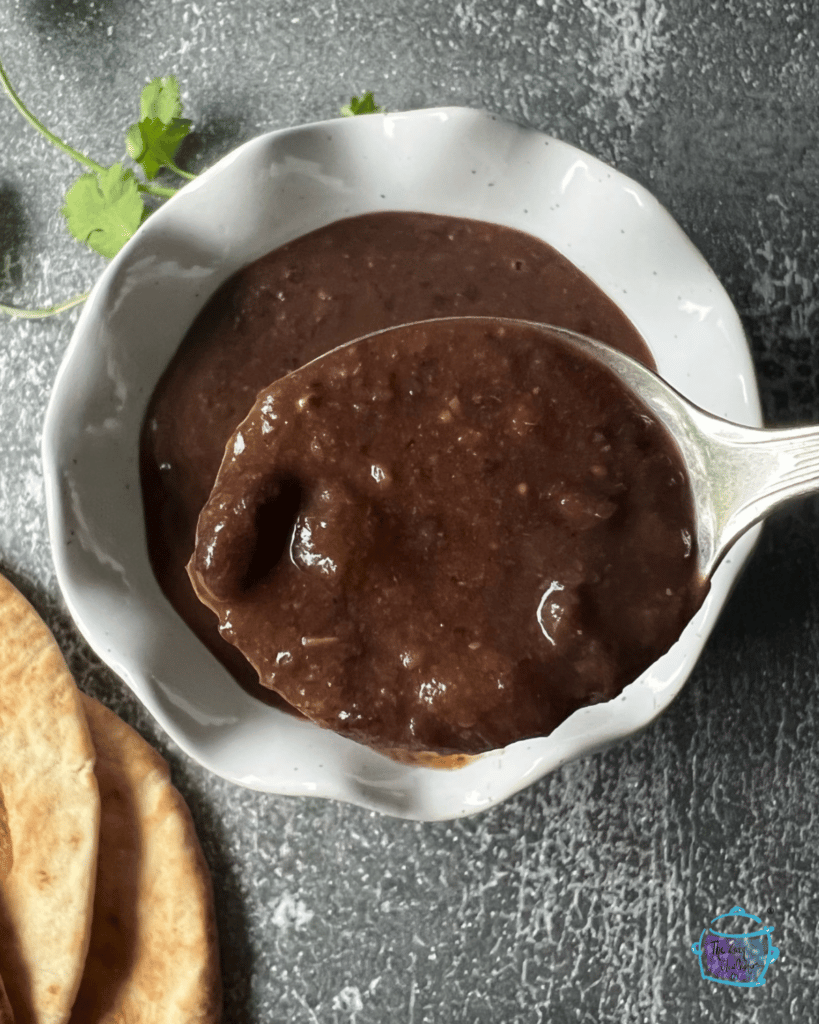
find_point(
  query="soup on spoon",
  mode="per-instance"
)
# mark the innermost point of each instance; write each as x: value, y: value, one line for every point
x: 448, y: 536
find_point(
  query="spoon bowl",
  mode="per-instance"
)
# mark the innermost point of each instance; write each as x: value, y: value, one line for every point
x: 489, y: 533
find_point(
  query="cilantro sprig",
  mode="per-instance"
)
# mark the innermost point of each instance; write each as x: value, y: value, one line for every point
x: 105, y: 206
x: 363, y: 105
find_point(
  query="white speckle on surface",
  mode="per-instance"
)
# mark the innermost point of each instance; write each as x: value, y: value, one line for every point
x: 626, y: 55
x: 291, y: 913
x: 349, y: 1000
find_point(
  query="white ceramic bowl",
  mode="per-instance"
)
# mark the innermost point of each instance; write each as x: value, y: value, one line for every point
x: 270, y: 190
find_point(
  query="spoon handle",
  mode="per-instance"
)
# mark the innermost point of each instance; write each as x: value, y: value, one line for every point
x: 750, y: 472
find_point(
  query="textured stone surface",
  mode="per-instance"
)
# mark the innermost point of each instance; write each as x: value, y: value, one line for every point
x: 578, y: 900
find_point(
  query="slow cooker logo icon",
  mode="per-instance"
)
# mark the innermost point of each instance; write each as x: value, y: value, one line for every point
x: 739, y: 956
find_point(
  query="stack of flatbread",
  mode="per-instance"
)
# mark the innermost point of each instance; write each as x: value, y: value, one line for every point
x: 106, y: 904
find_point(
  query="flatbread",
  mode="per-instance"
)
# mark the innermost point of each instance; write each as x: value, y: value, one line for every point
x: 6, y: 860
x: 153, y: 956
x: 6, y: 850
x: 6, y: 1016
x: 52, y: 801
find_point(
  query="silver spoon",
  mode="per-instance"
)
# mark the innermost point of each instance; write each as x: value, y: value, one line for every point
x: 737, y: 474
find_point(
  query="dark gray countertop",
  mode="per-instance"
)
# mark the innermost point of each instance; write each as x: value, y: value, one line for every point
x: 577, y: 900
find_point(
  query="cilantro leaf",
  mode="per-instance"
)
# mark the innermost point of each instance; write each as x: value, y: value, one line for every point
x: 104, y: 208
x: 160, y: 100
x: 365, y: 105
x: 155, y: 138
x: 153, y: 144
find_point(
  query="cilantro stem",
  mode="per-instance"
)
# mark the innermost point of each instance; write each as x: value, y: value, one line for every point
x: 38, y: 314
x: 157, y: 190
x: 32, y: 120
x: 178, y: 170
